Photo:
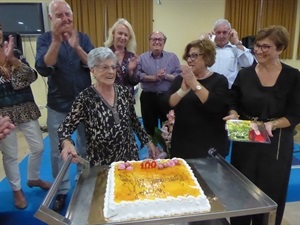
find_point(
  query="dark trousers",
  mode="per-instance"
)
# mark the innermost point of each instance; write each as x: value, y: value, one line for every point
x: 260, y: 164
x: 154, y: 110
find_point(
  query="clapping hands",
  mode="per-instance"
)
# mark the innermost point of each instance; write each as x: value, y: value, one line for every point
x: 189, y: 79
x: 132, y: 64
x: 161, y: 74
x: 63, y: 30
x: 8, y: 47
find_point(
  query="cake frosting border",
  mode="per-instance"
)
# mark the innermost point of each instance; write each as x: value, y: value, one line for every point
x: 148, y: 209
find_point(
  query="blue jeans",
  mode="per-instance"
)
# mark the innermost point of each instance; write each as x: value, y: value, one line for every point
x: 54, y: 119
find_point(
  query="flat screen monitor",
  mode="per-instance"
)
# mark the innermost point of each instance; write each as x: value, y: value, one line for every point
x: 24, y: 18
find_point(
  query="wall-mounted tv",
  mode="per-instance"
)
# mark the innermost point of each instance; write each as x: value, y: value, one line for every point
x: 24, y: 18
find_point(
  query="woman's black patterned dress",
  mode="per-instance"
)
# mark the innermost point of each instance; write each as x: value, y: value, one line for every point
x: 109, y: 129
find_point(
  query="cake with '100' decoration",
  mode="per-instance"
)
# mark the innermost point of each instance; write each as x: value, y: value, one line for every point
x: 152, y: 188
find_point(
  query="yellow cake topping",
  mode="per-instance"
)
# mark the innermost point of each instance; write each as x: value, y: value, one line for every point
x: 147, y: 180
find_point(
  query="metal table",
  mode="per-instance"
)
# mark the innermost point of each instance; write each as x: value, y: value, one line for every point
x: 234, y: 191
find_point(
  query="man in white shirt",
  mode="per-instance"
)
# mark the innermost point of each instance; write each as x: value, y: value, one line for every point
x: 231, y: 54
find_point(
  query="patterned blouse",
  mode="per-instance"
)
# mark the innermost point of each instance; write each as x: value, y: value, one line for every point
x: 123, y: 77
x: 16, y: 98
x: 109, y: 129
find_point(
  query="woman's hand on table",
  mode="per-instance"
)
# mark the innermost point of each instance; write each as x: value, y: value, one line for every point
x: 153, y: 151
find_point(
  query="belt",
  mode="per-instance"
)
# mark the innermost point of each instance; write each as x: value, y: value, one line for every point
x: 248, y: 117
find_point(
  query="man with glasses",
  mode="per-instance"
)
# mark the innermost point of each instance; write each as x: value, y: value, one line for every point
x: 156, y: 70
x: 231, y: 54
x: 61, y: 56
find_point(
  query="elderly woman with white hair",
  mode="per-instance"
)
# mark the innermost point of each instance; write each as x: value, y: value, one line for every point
x: 108, y: 114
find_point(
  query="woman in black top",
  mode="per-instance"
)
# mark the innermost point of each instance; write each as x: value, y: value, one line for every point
x: 269, y: 92
x: 198, y: 98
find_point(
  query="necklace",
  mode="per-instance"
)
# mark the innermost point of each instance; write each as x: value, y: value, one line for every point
x: 207, y: 74
x: 112, y: 105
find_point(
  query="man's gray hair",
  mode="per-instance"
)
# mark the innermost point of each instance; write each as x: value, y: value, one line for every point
x: 51, y: 6
x: 158, y: 32
x: 98, y: 55
x: 222, y: 22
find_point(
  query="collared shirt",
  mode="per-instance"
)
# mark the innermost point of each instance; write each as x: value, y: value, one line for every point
x: 68, y: 77
x: 148, y: 65
x: 230, y: 59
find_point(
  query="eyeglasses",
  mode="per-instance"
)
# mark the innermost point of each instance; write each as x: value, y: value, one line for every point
x: 193, y: 56
x: 263, y: 48
x: 106, y: 67
x: 157, y: 39
x: 222, y: 32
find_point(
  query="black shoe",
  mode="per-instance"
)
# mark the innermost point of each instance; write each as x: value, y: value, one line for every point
x: 59, y: 203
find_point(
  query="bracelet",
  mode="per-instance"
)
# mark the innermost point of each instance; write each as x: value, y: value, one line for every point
x: 181, y: 93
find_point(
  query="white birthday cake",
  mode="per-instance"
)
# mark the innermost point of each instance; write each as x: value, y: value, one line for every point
x: 152, y: 188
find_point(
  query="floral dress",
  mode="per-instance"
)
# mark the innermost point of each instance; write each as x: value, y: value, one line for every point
x: 123, y: 77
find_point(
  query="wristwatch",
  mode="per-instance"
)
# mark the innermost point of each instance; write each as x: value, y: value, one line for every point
x: 197, y: 88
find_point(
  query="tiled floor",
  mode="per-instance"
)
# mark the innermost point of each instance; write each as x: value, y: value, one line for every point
x: 292, y: 211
